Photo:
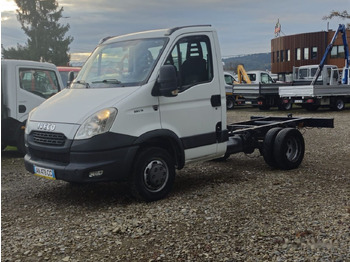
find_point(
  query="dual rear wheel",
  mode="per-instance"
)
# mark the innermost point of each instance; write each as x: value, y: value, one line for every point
x: 283, y: 148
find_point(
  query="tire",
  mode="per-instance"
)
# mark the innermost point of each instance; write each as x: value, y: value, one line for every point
x: 230, y: 103
x: 153, y: 174
x: 338, y: 105
x: 268, y: 145
x: 285, y: 106
x: 289, y: 148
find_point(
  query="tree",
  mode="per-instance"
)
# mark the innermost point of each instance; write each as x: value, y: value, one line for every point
x: 47, y: 41
x: 343, y: 15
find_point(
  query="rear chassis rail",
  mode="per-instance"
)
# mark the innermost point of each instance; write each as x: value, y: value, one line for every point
x: 247, y: 136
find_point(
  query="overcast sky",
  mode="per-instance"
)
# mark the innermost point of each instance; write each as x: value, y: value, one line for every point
x: 244, y: 26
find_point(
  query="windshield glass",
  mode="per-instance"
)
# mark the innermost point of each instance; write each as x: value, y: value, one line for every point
x: 120, y: 64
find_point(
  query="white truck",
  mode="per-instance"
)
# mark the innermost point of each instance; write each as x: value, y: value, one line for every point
x: 332, y: 91
x: 146, y: 104
x: 24, y: 86
x: 327, y: 91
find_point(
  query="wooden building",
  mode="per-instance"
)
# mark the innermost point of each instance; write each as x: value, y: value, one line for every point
x: 305, y: 49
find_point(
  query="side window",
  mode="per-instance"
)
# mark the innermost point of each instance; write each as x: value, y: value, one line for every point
x: 193, y: 60
x: 40, y: 82
x: 229, y: 80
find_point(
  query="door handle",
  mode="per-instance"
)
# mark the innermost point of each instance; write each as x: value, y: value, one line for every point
x: 22, y: 109
x: 215, y: 100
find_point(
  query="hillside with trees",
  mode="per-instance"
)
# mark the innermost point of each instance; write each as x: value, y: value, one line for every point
x: 260, y: 61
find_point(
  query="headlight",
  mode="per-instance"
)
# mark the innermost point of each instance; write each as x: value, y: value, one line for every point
x: 96, y: 124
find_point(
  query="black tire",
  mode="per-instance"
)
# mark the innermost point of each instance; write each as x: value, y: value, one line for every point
x: 153, y: 175
x: 285, y: 106
x: 338, y: 104
x: 230, y: 103
x: 289, y: 148
x: 268, y: 144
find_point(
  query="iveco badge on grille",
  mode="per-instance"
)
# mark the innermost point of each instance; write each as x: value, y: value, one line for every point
x: 46, y: 127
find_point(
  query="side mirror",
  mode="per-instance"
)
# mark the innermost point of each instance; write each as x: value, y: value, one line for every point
x: 70, y: 77
x: 167, y: 81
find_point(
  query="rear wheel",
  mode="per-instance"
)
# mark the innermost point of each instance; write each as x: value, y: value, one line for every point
x: 153, y: 175
x: 285, y: 106
x: 338, y: 104
x: 289, y: 148
x: 268, y: 144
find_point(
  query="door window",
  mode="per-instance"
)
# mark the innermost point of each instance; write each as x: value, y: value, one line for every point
x: 193, y: 61
x: 40, y: 82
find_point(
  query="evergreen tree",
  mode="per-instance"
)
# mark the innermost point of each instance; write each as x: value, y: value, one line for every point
x: 46, y: 36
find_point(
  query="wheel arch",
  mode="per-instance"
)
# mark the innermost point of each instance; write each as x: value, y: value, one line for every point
x: 167, y: 140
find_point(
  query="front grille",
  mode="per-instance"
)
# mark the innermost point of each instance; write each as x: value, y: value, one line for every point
x: 52, y: 156
x: 47, y: 138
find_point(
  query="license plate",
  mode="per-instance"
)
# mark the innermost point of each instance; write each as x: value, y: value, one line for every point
x: 44, y: 172
x: 298, y: 101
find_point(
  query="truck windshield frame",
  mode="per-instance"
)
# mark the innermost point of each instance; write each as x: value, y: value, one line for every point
x: 121, y: 64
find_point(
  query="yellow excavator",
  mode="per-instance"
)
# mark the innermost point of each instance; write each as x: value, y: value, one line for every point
x: 231, y: 99
x: 242, y: 75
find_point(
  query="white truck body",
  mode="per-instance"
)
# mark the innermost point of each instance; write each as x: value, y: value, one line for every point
x: 142, y: 105
x: 24, y: 86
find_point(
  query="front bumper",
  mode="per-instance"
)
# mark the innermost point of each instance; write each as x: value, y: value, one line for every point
x: 115, y: 164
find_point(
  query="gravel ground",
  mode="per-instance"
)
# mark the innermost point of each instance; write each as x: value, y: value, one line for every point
x: 238, y: 210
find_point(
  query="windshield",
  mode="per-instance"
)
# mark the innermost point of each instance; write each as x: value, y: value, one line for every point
x: 120, y: 64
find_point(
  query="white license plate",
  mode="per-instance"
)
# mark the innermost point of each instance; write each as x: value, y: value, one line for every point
x: 44, y: 172
x: 298, y: 101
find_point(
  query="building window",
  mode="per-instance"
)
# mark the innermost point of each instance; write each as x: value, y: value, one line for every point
x: 337, y: 51
x: 288, y: 55
x: 278, y: 56
x: 282, y: 58
x: 314, y: 52
x: 273, y: 57
x: 306, y: 53
x: 297, y: 54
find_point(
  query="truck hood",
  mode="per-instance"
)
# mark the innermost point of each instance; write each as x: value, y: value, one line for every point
x: 73, y: 106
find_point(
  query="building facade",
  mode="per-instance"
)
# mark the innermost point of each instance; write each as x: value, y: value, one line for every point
x: 305, y: 49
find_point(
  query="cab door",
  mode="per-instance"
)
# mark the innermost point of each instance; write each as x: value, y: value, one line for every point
x: 34, y: 86
x: 195, y: 114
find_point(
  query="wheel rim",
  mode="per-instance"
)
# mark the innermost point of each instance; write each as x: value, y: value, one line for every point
x: 293, y: 149
x: 340, y: 104
x: 156, y: 175
x: 229, y: 104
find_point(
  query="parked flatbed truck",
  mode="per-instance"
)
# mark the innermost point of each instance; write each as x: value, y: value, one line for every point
x: 334, y: 93
x: 148, y: 103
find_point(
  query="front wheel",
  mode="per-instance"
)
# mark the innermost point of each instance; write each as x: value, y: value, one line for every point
x: 289, y: 148
x: 338, y: 105
x: 153, y: 175
x: 230, y: 103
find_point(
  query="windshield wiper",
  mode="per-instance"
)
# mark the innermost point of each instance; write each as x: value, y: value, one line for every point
x: 82, y: 82
x: 108, y: 81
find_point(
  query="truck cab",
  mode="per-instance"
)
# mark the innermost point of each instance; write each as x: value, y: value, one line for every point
x: 24, y: 86
x: 305, y: 74
x: 261, y: 77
